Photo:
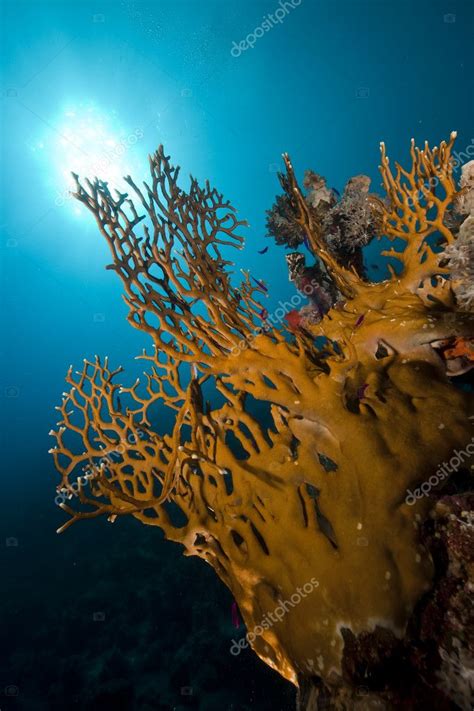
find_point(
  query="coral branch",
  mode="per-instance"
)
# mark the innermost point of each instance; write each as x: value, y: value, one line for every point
x: 176, y: 267
x: 415, y: 211
x: 343, y: 278
x: 290, y: 459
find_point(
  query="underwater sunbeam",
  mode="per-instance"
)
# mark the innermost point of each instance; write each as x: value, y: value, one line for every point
x: 93, y: 143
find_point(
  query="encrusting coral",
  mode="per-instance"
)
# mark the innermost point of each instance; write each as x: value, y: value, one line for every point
x: 314, y: 491
x: 460, y: 255
x: 347, y: 224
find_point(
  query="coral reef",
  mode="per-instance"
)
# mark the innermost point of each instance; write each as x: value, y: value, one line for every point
x: 432, y: 666
x: 347, y: 224
x: 314, y: 283
x: 443, y: 647
x: 460, y: 255
x: 351, y: 223
x: 314, y: 490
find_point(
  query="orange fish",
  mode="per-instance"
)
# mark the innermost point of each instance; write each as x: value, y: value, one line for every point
x: 461, y: 347
x: 293, y: 318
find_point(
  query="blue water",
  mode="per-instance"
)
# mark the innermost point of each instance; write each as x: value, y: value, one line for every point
x: 326, y: 85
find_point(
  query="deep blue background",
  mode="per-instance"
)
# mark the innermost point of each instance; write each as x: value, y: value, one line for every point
x: 327, y: 85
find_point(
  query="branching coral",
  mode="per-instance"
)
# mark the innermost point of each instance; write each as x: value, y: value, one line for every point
x: 417, y: 211
x: 315, y: 490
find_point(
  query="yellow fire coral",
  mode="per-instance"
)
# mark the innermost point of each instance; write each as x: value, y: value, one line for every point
x: 313, y: 489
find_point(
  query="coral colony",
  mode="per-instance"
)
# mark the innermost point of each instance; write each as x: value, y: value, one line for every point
x: 361, y: 408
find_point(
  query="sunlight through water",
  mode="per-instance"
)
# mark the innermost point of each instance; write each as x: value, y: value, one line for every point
x: 91, y: 142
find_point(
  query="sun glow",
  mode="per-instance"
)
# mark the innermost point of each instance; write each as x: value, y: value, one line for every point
x: 92, y: 143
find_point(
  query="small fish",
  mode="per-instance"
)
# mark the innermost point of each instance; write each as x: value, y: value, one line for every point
x: 460, y: 347
x: 263, y: 251
x: 361, y: 391
x: 235, y: 615
x: 293, y: 319
x: 306, y: 243
x: 359, y: 321
x: 335, y: 190
x: 264, y: 314
x: 260, y: 284
x: 375, y: 266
